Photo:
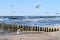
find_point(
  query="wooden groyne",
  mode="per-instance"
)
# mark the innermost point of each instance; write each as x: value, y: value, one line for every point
x: 15, y: 27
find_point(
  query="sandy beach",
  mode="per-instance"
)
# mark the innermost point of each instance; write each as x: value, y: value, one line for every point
x: 31, y: 36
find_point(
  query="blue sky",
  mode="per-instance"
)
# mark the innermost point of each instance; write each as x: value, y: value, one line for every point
x: 27, y: 7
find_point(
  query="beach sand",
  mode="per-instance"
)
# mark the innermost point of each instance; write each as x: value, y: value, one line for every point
x: 30, y: 36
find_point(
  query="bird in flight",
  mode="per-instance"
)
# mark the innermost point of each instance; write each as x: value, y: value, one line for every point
x: 57, y: 13
x: 38, y: 6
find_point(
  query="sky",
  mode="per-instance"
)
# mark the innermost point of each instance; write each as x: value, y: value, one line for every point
x: 27, y: 8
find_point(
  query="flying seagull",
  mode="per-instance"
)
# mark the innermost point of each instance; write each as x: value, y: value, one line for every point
x: 12, y: 6
x: 57, y: 13
x: 12, y: 9
x: 46, y: 12
x: 38, y: 6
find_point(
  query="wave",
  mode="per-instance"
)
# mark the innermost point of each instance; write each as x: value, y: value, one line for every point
x: 28, y: 17
x: 31, y: 20
x: 1, y: 19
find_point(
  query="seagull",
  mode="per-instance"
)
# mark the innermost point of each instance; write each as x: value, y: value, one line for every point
x: 38, y: 6
x: 12, y: 6
x: 46, y: 12
x: 57, y: 13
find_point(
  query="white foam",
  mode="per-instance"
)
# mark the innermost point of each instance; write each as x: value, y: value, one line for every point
x: 1, y: 19
x: 31, y: 20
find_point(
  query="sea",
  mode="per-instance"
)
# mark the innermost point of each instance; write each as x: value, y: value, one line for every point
x: 31, y: 20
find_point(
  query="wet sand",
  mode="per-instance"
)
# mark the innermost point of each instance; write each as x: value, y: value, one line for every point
x: 31, y: 36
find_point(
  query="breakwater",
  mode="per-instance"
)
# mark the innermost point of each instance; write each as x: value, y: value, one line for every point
x: 15, y: 27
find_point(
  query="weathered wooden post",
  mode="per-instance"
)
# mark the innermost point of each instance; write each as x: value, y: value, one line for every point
x: 36, y: 28
x: 29, y: 28
x: 57, y: 29
x: 40, y: 28
x: 52, y: 29
x: 33, y: 28
x: 46, y: 29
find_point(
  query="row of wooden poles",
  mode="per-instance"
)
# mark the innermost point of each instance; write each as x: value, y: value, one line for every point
x: 15, y: 27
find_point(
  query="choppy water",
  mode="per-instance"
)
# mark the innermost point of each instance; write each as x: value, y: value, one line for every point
x: 31, y: 20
